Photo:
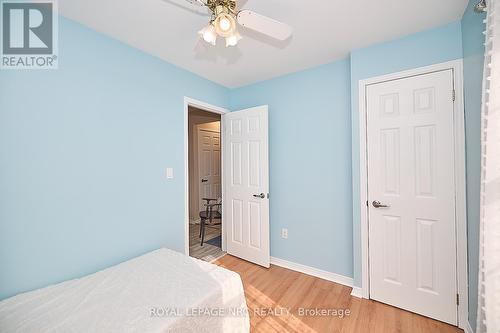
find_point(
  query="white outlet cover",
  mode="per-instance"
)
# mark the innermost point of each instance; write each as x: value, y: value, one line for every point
x: 170, y: 173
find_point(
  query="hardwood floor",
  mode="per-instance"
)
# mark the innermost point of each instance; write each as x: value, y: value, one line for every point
x: 279, y: 288
x: 207, y: 252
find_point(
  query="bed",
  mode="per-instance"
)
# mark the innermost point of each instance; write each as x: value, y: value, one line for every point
x: 162, y: 291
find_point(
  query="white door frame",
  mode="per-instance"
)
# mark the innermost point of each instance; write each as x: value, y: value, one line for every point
x: 210, y: 108
x: 459, y: 161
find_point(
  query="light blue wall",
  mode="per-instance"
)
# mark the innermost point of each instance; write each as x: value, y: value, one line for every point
x: 310, y: 164
x: 287, y: 97
x: 473, y: 51
x: 425, y: 48
x: 83, y: 152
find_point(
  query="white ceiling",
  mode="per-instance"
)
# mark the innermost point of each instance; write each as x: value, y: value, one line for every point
x: 324, y: 30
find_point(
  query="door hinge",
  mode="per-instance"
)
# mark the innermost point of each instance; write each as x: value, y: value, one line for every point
x: 458, y: 299
x: 453, y: 94
x: 367, y: 204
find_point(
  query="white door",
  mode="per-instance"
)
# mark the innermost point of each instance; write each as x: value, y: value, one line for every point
x: 246, y: 184
x: 209, y: 165
x: 412, y: 254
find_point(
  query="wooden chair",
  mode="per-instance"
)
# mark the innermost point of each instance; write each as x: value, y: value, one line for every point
x: 212, y: 212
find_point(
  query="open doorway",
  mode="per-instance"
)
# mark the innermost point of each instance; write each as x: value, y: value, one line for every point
x: 205, y: 184
x: 243, y: 191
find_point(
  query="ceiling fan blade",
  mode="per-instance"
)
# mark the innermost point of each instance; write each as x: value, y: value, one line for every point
x: 264, y: 25
x: 240, y: 3
x: 197, y: 2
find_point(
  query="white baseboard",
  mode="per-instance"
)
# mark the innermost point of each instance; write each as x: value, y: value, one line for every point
x: 468, y: 328
x: 337, y: 278
x: 357, y: 292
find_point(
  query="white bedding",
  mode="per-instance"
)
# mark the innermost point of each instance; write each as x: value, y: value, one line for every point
x: 162, y: 291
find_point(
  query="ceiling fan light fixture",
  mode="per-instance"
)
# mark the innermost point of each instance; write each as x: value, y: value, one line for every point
x: 208, y: 34
x: 225, y: 24
x: 226, y: 15
x: 233, y: 39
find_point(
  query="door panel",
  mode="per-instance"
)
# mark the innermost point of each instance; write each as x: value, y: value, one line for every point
x: 392, y: 249
x: 426, y: 265
x: 236, y: 167
x: 236, y: 221
x: 411, y: 170
x: 246, y: 213
x: 390, y: 159
x: 425, y: 159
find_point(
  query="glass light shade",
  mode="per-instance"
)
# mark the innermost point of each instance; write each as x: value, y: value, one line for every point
x: 225, y: 25
x: 208, y: 34
x: 233, y: 39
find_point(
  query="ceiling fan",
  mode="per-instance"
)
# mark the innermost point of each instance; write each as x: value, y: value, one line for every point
x: 225, y: 17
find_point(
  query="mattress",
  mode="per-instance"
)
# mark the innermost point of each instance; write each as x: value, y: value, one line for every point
x: 162, y: 291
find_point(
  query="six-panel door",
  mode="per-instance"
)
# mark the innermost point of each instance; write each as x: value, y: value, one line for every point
x: 246, y: 184
x: 209, y: 165
x: 412, y: 255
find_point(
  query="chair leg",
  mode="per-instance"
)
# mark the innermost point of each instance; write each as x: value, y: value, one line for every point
x: 202, y: 233
x: 201, y: 223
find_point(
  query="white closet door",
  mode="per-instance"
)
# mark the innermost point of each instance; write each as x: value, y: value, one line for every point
x: 411, y: 193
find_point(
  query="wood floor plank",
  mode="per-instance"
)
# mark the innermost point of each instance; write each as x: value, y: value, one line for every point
x: 280, y: 288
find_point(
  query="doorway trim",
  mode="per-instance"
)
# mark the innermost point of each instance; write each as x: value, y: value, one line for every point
x: 210, y: 108
x: 459, y: 160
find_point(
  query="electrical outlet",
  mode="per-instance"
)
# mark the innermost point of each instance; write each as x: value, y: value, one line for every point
x: 284, y: 233
x: 170, y: 173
